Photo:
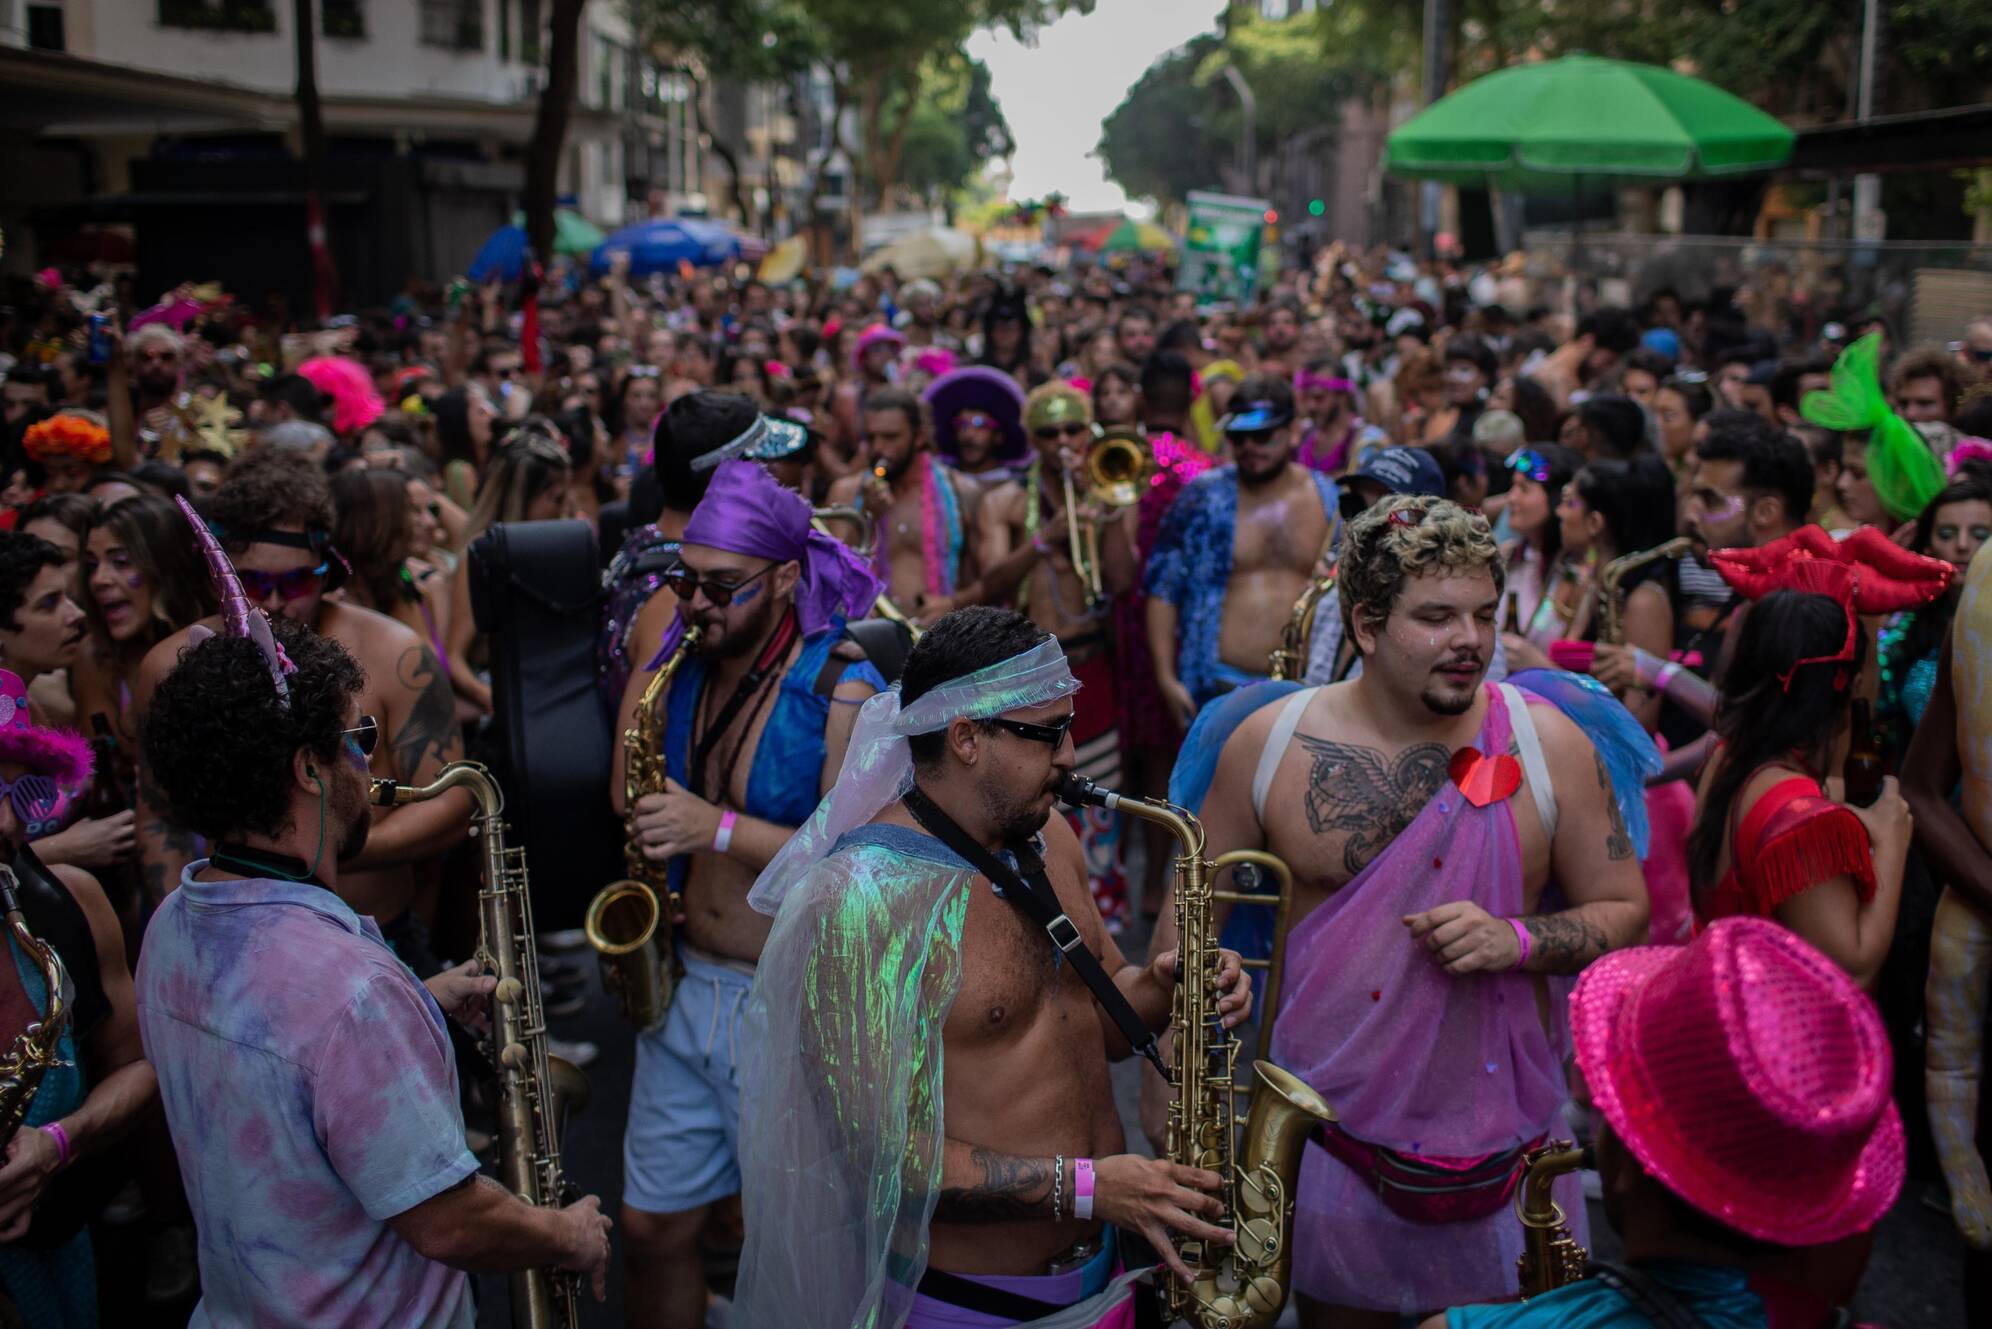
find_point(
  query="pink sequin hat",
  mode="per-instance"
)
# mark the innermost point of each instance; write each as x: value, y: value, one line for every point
x: 56, y: 753
x: 1749, y: 1076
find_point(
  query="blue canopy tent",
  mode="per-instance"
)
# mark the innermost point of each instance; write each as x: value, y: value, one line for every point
x: 503, y: 254
x: 661, y: 244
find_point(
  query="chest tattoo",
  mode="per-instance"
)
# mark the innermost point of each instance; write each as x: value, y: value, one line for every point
x: 1359, y: 792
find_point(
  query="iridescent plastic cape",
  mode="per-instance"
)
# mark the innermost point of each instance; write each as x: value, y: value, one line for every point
x: 841, y: 1107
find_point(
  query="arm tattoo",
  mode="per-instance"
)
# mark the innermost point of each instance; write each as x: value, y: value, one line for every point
x: 1357, y: 791
x: 1618, y: 840
x: 431, y: 724
x: 1564, y: 943
x: 1012, y: 1188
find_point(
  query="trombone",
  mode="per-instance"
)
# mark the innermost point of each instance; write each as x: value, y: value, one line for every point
x: 1116, y: 463
x: 820, y: 519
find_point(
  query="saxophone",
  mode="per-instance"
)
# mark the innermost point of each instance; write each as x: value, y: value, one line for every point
x: 1244, y: 1285
x: 1550, y: 1255
x: 34, y: 1050
x: 1289, y: 658
x: 1611, y: 599
x: 629, y: 921
x: 534, y: 1091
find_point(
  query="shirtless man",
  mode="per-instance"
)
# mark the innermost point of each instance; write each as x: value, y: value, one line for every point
x: 916, y: 504
x: 1236, y: 550
x: 1422, y: 915
x: 273, y: 516
x: 1009, y: 1091
x: 768, y: 694
x: 1024, y: 544
x: 874, y: 362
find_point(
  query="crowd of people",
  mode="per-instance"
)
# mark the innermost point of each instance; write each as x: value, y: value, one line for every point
x: 1540, y: 646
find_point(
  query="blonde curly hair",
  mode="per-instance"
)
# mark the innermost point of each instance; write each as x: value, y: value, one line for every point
x: 1381, y: 549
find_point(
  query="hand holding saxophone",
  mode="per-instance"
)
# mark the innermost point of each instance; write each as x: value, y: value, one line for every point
x: 33, y: 1159
x: 1234, y: 1003
x: 464, y: 995
x: 674, y: 822
x: 587, y: 1230
x: 1156, y: 1197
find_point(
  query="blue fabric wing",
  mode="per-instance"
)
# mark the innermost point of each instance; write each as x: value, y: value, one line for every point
x: 1622, y: 742
x: 1196, y: 764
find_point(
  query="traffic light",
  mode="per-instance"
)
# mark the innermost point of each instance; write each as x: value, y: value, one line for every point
x: 1315, y: 207
x: 1272, y: 216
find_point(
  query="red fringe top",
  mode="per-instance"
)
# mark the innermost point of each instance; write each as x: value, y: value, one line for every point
x: 1793, y: 838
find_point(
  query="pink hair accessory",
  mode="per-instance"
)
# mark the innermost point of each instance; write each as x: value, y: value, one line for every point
x: 355, y: 403
x: 1749, y: 1076
x: 239, y: 618
x: 1967, y: 449
x: 934, y: 361
x: 1304, y: 381
x: 776, y: 369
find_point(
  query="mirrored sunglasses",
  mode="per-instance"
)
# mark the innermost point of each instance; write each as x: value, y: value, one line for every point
x: 292, y: 585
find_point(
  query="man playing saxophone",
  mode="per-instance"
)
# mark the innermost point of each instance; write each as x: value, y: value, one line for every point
x: 921, y: 1041
x: 307, y: 1075
x: 754, y: 724
x: 1416, y: 806
x: 94, y: 1083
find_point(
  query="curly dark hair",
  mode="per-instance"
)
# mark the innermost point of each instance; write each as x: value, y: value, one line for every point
x: 22, y: 557
x: 217, y: 743
x: 268, y: 489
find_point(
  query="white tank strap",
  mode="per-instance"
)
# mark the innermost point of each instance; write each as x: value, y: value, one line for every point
x: 1276, y: 745
x: 1533, y: 766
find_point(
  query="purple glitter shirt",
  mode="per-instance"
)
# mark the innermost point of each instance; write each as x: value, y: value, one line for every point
x: 311, y: 1094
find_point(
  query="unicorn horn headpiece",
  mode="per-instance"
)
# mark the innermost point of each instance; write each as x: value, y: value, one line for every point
x: 239, y: 618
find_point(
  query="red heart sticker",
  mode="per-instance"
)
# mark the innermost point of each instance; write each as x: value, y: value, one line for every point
x: 1484, y: 779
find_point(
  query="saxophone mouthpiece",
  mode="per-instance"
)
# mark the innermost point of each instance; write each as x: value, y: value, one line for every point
x: 1077, y: 790
x: 382, y: 792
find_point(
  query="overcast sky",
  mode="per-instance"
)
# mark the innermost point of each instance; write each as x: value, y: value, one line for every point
x: 1057, y: 90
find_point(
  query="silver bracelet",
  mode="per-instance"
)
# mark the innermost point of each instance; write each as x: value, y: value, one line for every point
x: 1057, y: 1187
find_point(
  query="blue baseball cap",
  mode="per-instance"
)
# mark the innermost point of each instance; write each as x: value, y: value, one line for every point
x: 1400, y: 470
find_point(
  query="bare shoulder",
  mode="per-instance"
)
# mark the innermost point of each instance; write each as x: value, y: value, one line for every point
x: 843, y: 489
x: 159, y: 661
x: 369, y: 635
x: 1564, y: 743
x: 1005, y: 502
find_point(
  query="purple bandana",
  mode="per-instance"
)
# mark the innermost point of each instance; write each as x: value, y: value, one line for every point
x: 745, y: 511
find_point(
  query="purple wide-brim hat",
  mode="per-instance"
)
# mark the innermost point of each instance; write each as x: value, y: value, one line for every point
x: 978, y: 388
x: 1749, y: 1076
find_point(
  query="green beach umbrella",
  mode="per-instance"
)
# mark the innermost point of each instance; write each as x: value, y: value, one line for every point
x: 1559, y: 125
x: 572, y: 233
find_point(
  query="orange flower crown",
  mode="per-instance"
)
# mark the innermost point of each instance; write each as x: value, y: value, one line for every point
x: 68, y: 435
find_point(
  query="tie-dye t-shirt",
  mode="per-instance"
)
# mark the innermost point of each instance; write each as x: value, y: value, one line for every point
x: 309, y: 1085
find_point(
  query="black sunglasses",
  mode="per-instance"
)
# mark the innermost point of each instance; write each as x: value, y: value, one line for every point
x: 686, y: 585
x: 1069, y: 429
x: 364, y: 736
x: 1051, y: 734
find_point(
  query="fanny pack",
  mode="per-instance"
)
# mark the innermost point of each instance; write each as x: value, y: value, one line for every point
x: 1428, y: 1189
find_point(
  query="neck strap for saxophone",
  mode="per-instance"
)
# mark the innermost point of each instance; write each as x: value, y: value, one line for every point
x: 1028, y: 888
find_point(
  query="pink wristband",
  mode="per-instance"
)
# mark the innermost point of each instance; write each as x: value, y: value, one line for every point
x: 722, y: 839
x: 61, y: 1137
x: 1082, y: 1188
x: 1521, y: 939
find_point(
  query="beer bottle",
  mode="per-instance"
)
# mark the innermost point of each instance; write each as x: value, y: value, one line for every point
x: 1863, y: 771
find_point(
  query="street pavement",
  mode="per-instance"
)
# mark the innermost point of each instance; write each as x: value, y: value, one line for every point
x: 1913, y: 1279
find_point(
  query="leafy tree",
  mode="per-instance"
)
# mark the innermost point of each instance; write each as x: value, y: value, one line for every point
x: 1158, y: 143
x: 956, y: 126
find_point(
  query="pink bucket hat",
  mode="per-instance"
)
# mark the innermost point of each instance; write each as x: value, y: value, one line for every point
x: 878, y: 334
x: 1749, y: 1076
x: 56, y: 754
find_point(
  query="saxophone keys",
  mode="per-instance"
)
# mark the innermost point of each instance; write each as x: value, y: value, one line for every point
x: 513, y: 1056
x: 508, y: 990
